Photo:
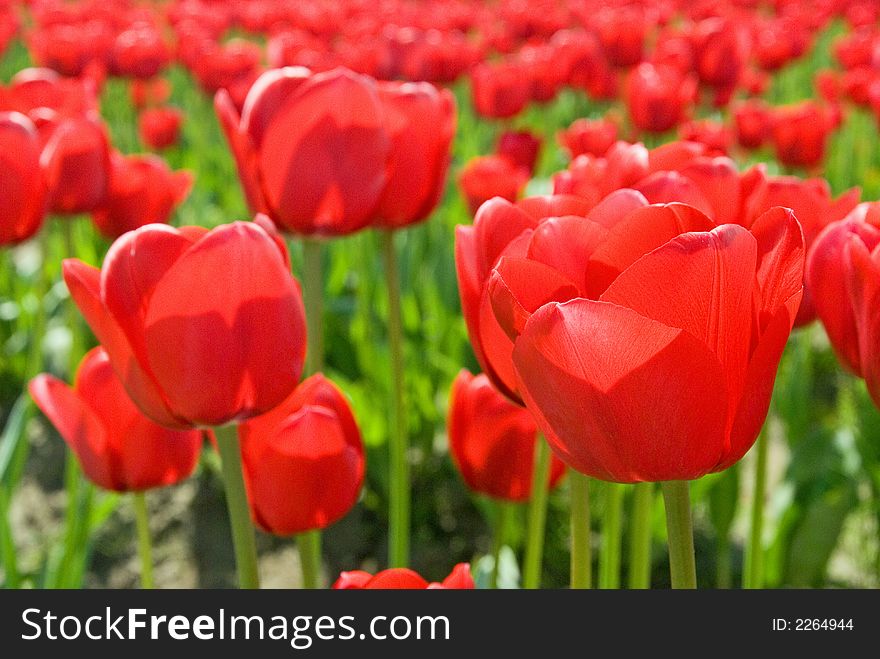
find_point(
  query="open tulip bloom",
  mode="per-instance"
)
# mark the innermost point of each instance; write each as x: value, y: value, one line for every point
x: 644, y: 338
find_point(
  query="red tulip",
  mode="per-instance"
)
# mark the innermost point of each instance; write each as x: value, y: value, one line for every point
x: 658, y: 97
x: 159, y: 127
x: 76, y: 165
x: 404, y: 579
x: 22, y: 191
x: 312, y: 150
x: 34, y: 90
x: 420, y: 121
x: 519, y: 147
x: 499, y: 228
x: 843, y: 272
x: 622, y: 32
x: 593, y: 178
x: 140, y: 52
x: 485, y: 177
x: 143, y: 190
x: 304, y: 460
x: 145, y: 93
x: 118, y: 447
x: 499, y: 90
x: 588, y: 136
x: 753, y: 120
x: 202, y: 327
x: 721, y: 48
x: 801, y: 132
x: 492, y: 441
x: 646, y: 342
x: 716, y: 136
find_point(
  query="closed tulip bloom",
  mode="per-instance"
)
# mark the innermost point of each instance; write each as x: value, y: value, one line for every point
x: 622, y: 33
x: 404, y: 579
x: 143, y: 190
x: 588, y: 136
x: 140, y: 52
x: 76, y: 165
x: 145, y: 93
x: 118, y: 447
x: 801, y: 133
x: 22, y: 191
x: 203, y: 327
x: 495, y: 231
x: 753, y: 122
x: 311, y: 150
x: 646, y: 342
x: 304, y: 460
x: 485, y: 177
x: 159, y: 127
x: 843, y: 272
x: 420, y: 121
x: 721, y: 49
x: 499, y: 90
x: 521, y: 148
x: 658, y: 97
x: 492, y: 440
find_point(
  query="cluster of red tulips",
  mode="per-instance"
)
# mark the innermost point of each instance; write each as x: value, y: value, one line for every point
x: 629, y: 322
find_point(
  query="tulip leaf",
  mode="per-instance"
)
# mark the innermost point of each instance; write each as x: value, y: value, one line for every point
x: 13, y: 445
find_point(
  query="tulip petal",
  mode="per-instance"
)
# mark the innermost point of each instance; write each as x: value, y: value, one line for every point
x: 242, y: 150
x: 565, y: 244
x: 83, y: 282
x: 400, y: 578
x: 616, y: 206
x: 863, y: 286
x: 718, y: 180
x: 225, y: 329
x: 780, y: 260
x: 702, y: 283
x: 669, y: 187
x: 622, y: 397
x: 641, y: 231
x: 78, y: 425
x: 497, y: 223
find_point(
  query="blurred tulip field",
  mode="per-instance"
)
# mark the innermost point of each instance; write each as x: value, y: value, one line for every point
x: 763, y: 103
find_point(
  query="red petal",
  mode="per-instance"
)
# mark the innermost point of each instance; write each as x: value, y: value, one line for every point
x: 669, y: 187
x: 622, y: 397
x: 242, y: 150
x: 225, y: 327
x: 266, y: 96
x: 566, y: 245
x: 616, y: 206
x: 399, y: 578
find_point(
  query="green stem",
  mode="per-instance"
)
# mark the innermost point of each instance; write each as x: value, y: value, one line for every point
x: 609, y: 559
x: 679, y: 530
x: 71, y: 311
x: 724, y: 563
x: 313, y: 299
x: 503, y: 518
x: 640, y: 536
x: 753, y: 570
x: 399, y: 481
x: 581, y: 559
x: 145, y: 550
x: 243, y: 539
x: 537, y: 515
x: 309, y: 545
x: 38, y: 329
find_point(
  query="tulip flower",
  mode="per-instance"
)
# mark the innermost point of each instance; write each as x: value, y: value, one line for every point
x: 142, y: 190
x: 303, y: 466
x: 492, y: 440
x: 420, y: 122
x: 843, y: 272
x: 753, y: 122
x: 145, y: 93
x: 729, y: 309
x: 311, y: 150
x: 76, y: 165
x: 140, y: 52
x: 159, y: 128
x: 485, y: 177
x: 203, y: 327
x: 118, y: 447
x: 521, y: 148
x: 587, y: 136
x: 800, y: 134
x: 404, y: 579
x: 622, y: 33
x: 658, y: 97
x: 499, y: 90
x: 22, y: 191
x: 721, y: 48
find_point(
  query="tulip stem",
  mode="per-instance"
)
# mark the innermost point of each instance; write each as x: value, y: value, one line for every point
x: 504, y: 515
x: 609, y: 559
x: 313, y: 298
x: 537, y: 515
x: 243, y: 539
x: 640, y: 536
x: 41, y: 289
x: 72, y: 311
x: 581, y: 559
x: 680, y: 534
x: 753, y: 572
x: 399, y: 485
x: 145, y: 549
x: 309, y: 544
